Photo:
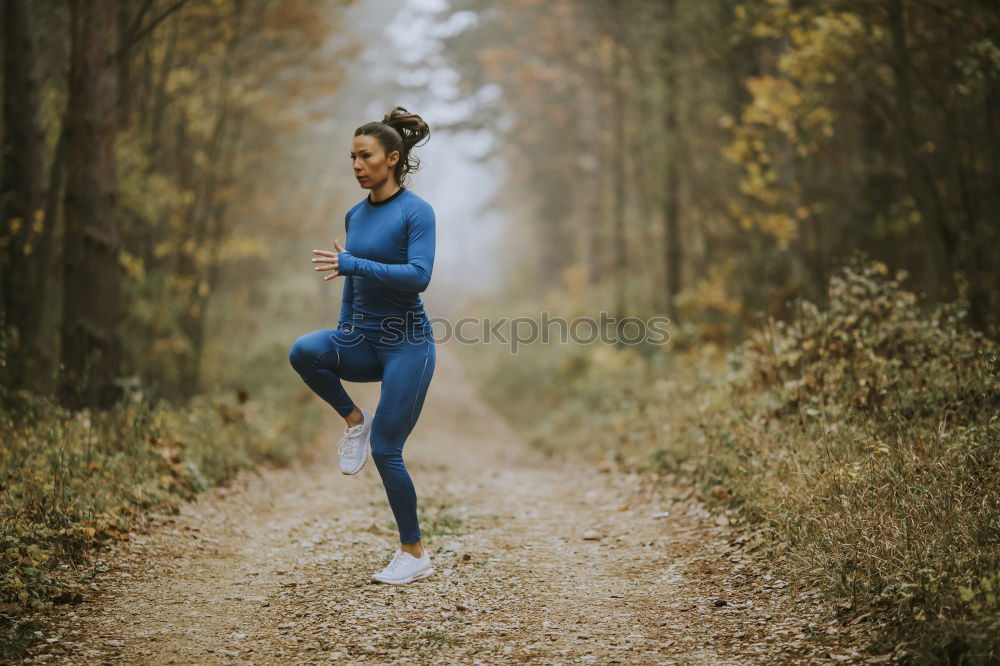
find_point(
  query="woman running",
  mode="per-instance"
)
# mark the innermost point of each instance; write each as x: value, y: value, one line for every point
x: 383, y: 333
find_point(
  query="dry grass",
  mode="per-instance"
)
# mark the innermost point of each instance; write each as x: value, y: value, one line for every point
x: 864, y: 437
x: 73, y: 482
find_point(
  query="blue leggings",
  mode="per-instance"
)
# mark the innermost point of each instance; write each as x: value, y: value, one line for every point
x: 404, y: 365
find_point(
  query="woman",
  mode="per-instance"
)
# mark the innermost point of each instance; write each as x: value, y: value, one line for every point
x: 383, y: 333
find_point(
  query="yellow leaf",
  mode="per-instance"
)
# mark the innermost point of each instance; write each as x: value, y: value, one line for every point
x: 133, y: 265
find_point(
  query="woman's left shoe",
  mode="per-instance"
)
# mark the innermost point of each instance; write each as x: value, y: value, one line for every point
x: 354, y: 445
x: 405, y: 568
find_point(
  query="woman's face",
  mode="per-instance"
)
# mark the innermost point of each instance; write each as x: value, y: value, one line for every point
x: 371, y: 165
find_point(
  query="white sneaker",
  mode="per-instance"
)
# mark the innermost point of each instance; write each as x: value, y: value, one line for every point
x: 405, y: 568
x: 353, y: 447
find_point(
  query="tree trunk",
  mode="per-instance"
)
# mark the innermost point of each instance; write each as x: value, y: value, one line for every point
x: 49, y: 301
x: 671, y: 202
x: 207, y: 230
x: 24, y: 226
x: 919, y: 180
x: 91, y: 348
x: 618, y: 109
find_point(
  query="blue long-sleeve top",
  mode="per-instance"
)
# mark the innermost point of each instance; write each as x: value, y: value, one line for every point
x: 388, y: 260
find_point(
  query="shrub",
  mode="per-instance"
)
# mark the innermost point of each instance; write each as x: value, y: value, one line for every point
x: 864, y: 437
x: 73, y: 481
x: 866, y: 434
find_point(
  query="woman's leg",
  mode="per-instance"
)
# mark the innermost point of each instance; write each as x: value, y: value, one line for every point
x: 408, y: 368
x: 322, y: 358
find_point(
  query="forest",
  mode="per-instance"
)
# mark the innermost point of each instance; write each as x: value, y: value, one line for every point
x: 808, y: 192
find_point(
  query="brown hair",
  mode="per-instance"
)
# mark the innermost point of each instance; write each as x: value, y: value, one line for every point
x: 398, y: 130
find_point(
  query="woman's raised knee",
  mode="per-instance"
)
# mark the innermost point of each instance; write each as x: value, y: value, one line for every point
x: 303, y: 352
x: 295, y: 355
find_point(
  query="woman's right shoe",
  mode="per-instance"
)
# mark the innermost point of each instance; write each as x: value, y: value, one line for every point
x: 405, y: 568
x: 353, y: 447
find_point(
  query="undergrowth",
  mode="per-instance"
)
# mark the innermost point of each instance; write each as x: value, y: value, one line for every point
x: 75, y: 481
x: 863, y: 437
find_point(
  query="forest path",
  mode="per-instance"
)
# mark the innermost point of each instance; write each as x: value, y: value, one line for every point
x: 538, y: 559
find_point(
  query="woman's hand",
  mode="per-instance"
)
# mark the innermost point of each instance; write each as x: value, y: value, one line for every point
x: 328, y: 260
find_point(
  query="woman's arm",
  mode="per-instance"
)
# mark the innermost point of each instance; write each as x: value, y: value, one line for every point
x: 347, y: 304
x: 347, y: 300
x: 415, y: 274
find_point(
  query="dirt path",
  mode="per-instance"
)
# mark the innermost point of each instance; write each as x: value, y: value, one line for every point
x: 538, y: 560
